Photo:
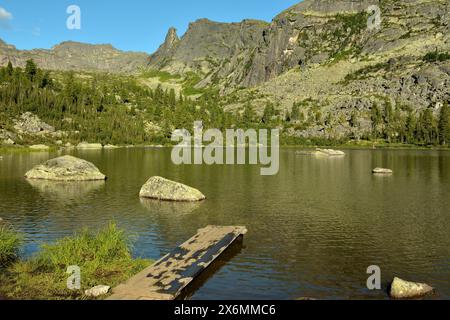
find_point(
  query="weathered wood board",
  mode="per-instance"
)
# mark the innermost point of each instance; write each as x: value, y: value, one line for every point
x: 166, y: 279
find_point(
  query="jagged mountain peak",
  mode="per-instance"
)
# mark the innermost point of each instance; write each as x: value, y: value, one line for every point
x: 172, y: 36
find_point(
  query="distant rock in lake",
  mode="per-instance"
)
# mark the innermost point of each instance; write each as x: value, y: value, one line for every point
x: 110, y: 147
x: 322, y: 152
x: 401, y: 289
x: 382, y: 171
x: 39, y: 147
x: 89, y: 146
x: 66, y: 168
x: 166, y: 190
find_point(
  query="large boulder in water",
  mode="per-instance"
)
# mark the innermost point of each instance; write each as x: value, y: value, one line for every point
x: 162, y: 189
x: 401, y: 289
x: 66, y: 168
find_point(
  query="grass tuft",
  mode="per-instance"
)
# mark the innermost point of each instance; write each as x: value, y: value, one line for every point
x: 104, y: 258
x: 10, y: 243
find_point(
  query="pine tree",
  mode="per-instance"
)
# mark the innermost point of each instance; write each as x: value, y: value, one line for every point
x: 31, y: 69
x: 269, y: 112
x: 427, y: 127
x: 444, y: 125
x: 9, y: 69
x: 411, y: 127
x: 377, y: 120
x: 295, y: 115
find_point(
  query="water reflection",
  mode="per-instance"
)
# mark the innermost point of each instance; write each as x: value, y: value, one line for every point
x: 170, y: 208
x: 64, y: 191
x: 313, y: 229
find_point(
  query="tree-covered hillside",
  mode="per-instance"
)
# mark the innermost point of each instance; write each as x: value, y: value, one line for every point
x: 120, y: 109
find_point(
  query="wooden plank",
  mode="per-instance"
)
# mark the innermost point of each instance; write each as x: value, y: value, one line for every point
x: 166, y: 279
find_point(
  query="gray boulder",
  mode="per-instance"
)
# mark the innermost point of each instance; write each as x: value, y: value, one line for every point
x: 66, y: 168
x: 401, y: 289
x: 97, y: 291
x: 162, y: 189
x: 31, y: 124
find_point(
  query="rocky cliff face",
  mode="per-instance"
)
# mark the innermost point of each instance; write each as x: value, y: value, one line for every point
x: 216, y: 50
x: 324, y: 56
x: 76, y: 56
x: 312, y: 32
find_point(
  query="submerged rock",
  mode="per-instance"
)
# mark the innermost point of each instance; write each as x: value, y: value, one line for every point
x: 91, y: 146
x: 66, y: 168
x: 382, y: 171
x: 162, y: 189
x: 97, y: 291
x: 401, y: 289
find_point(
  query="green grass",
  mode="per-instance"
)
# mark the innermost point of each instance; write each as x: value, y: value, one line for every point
x: 104, y: 258
x: 162, y: 75
x: 10, y: 243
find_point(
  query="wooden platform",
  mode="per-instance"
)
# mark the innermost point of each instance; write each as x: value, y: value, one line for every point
x: 166, y: 279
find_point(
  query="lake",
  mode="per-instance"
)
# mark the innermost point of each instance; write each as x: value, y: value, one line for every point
x: 314, y: 228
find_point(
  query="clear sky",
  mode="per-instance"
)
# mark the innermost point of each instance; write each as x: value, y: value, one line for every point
x: 136, y: 25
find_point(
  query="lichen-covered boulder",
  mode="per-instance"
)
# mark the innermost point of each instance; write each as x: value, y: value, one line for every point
x: 401, y: 289
x: 162, y: 189
x: 66, y: 168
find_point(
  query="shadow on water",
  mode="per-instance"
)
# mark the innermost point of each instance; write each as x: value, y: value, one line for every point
x: 226, y: 257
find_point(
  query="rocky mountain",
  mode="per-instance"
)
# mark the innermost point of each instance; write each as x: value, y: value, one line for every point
x: 76, y: 56
x: 324, y: 61
x: 324, y: 57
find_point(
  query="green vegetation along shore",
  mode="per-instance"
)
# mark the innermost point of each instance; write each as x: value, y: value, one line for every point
x: 104, y: 258
x: 123, y: 110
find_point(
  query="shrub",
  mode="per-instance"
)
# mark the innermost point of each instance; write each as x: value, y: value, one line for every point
x: 10, y: 243
x: 436, y: 56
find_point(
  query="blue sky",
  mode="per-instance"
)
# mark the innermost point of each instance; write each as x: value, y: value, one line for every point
x: 137, y: 25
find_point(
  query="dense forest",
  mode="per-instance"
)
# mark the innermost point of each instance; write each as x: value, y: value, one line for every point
x: 113, y: 109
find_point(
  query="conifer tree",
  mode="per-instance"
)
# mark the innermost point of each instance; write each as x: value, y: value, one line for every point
x: 444, y: 125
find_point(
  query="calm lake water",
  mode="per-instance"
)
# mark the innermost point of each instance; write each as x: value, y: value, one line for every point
x: 313, y: 229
